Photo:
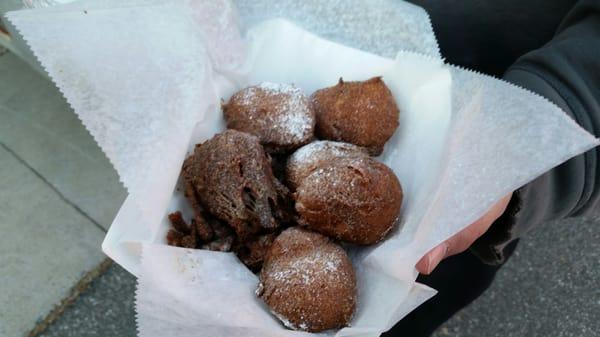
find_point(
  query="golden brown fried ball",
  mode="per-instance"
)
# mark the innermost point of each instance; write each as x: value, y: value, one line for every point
x: 308, y: 281
x: 280, y: 115
x: 362, y: 113
x: 356, y: 200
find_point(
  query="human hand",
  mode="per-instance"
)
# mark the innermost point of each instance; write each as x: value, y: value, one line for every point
x: 463, y: 239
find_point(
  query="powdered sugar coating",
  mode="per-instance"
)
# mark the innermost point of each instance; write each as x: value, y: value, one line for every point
x: 279, y: 88
x: 308, y: 282
x: 279, y: 114
x: 309, y: 267
x: 315, y: 155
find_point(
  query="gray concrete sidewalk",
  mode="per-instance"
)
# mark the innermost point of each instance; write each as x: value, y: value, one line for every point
x: 58, y: 195
x: 549, y: 287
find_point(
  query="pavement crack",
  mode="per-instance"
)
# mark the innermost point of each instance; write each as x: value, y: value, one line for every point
x: 52, y: 187
x: 81, y: 286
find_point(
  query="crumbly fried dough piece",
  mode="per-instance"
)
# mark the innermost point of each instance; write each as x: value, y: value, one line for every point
x: 201, y: 232
x: 174, y: 238
x: 190, y: 194
x: 220, y: 245
x: 252, y: 252
x: 362, y: 113
x: 204, y: 231
x: 178, y: 223
x: 182, y: 234
x: 232, y: 176
x: 308, y: 281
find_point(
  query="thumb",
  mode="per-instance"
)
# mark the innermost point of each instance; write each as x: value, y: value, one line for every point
x: 428, y: 263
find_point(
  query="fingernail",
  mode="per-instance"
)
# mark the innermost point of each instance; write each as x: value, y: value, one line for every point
x: 436, y: 256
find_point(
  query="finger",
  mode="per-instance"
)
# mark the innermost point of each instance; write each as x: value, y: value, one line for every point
x: 455, y: 245
x: 428, y: 262
x: 458, y: 243
x: 462, y: 240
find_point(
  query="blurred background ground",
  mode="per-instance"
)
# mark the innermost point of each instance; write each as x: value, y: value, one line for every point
x: 58, y: 195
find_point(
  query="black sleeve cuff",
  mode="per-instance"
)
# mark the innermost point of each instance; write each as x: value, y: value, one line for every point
x: 489, y: 248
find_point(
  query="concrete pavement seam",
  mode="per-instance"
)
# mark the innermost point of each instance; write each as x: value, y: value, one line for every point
x: 83, y: 284
x: 52, y: 187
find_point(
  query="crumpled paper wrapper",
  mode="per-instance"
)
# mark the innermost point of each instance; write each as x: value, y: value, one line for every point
x: 146, y: 78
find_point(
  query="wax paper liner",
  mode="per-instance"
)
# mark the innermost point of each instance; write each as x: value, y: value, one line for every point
x: 464, y: 141
x: 381, y: 27
x: 92, y: 44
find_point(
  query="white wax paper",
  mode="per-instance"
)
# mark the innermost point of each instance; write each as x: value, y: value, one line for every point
x: 146, y: 78
x: 378, y: 26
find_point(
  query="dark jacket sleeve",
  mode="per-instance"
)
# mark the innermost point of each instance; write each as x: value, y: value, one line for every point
x: 566, y: 71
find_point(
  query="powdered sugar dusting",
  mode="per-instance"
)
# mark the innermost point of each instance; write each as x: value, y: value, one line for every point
x: 291, y: 117
x: 318, y: 154
x: 326, y: 149
x: 286, y: 322
x: 296, y: 122
x: 344, y: 184
x: 280, y: 88
x: 312, y: 266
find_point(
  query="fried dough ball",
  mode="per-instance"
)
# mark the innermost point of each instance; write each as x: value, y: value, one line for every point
x: 308, y: 281
x: 362, y: 113
x: 356, y: 200
x: 280, y: 115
